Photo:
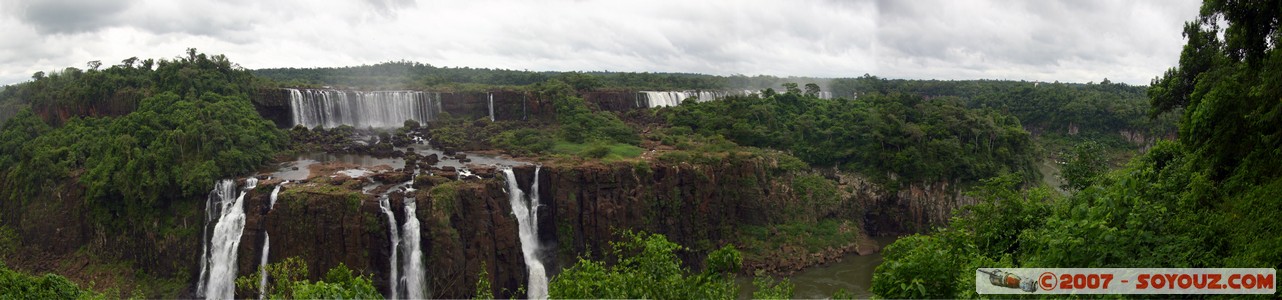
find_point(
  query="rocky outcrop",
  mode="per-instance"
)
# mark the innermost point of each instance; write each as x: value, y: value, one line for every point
x: 59, y: 232
x: 694, y: 205
x: 110, y: 104
x: 617, y: 101
x: 915, y: 208
x: 467, y: 225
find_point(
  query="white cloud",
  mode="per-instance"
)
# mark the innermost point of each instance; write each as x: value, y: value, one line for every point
x: 1041, y: 40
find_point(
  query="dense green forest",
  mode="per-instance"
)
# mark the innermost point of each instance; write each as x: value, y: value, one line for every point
x: 194, y: 126
x: 1207, y: 200
x: 896, y: 138
x: 1103, y: 107
x: 145, y: 135
x: 416, y: 75
x: 185, y: 123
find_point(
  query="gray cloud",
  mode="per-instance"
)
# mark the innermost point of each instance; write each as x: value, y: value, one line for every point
x: 66, y: 16
x: 1038, y: 40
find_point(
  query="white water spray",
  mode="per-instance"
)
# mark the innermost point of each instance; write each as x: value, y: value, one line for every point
x: 395, y: 236
x: 360, y: 109
x: 262, y: 266
x: 414, y: 279
x: 221, y: 259
x: 262, y: 262
x: 527, y: 221
x: 491, y: 95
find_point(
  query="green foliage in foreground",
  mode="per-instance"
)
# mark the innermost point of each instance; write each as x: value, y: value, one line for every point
x: 289, y: 282
x: 895, y: 139
x: 16, y: 285
x: 648, y: 268
x: 1206, y: 201
x: 1083, y: 165
x: 768, y: 288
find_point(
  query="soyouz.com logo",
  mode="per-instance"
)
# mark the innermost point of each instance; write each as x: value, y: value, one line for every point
x: 1126, y: 281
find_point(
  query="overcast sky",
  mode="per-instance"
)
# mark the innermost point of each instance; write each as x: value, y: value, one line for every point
x: 1070, y: 41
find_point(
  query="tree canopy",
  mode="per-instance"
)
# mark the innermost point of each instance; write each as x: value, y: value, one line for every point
x: 1207, y: 200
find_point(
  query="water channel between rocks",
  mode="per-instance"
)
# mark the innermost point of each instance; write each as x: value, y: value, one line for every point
x: 853, y: 273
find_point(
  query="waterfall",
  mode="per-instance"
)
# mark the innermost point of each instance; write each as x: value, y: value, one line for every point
x: 262, y: 267
x: 275, y: 192
x: 213, y: 208
x: 527, y: 222
x: 361, y: 109
x: 395, y: 236
x: 415, y: 280
x: 219, y: 261
x: 491, y: 95
x: 674, y: 98
x: 408, y: 237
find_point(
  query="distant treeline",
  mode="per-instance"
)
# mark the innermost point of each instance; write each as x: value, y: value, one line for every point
x: 1103, y: 107
x: 414, y: 75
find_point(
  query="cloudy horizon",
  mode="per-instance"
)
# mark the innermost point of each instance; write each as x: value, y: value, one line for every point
x: 1067, y: 41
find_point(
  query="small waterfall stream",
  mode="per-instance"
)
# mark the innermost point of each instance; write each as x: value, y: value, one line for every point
x: 527, y: 223
x: 262, y: 267
x: 491, y: 96
x: 262, y: 262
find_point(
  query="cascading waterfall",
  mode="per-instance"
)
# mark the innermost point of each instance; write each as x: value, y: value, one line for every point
x: 221, y: 251
x: 395, y: 236
x: 415, y: 281
x: 674, y: 98
x: 405, y: 241
x: 362, y: 109
x: 275, y: 192
x: 213, y: 209
x: 527, y: 223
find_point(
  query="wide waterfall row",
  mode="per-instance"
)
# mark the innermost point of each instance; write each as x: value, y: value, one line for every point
x: 652, y: 99
x: 377, y: 109
x: 527, y: 216
x: 673, y: 98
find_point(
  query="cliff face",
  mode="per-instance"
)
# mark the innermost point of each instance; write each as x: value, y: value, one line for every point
x: 697, y: 206
x: 466, y: 228
x: 57, y: 231
x: 468, y: 225
x: 915, y: 208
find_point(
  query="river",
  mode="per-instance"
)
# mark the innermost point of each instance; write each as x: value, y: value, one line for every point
x: 853, y: 273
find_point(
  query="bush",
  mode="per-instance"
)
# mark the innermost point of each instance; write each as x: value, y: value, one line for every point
x: 339, y: 283
x: 597, y: 150
x: 15, y: 285
x: 647, y: 267
x: 525, y: 141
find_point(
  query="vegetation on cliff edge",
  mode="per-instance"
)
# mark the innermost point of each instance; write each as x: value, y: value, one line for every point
x: 1207, y: 200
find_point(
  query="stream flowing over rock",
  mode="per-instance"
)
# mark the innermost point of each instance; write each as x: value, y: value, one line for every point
x: 526, y: 210
x: 219, y: 267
